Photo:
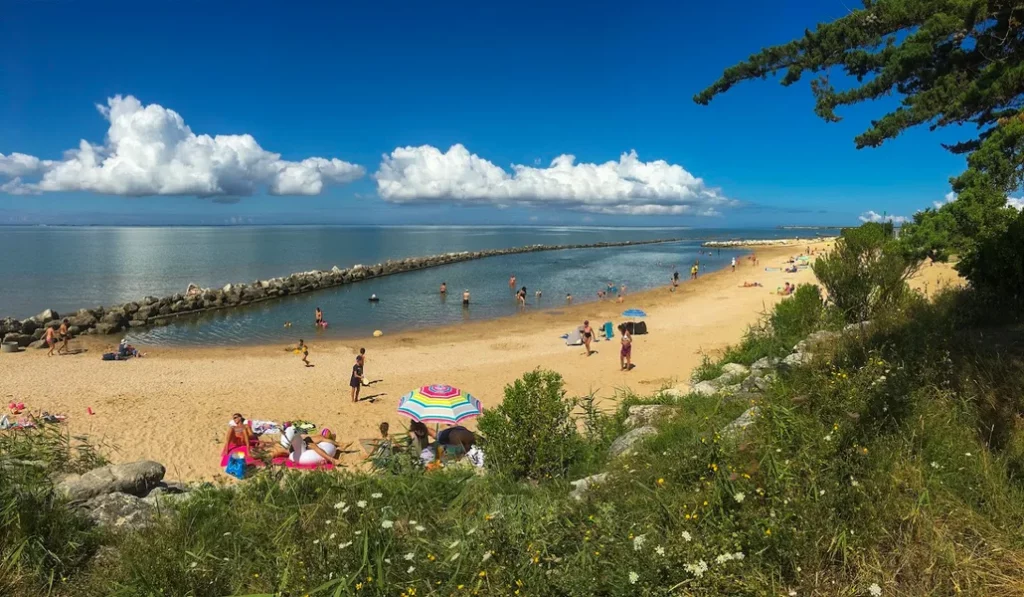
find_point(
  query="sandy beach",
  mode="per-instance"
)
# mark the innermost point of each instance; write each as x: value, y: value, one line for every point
x: 173, y: 405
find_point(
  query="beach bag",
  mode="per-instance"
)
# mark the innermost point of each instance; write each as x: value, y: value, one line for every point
x: 109, y: 356
x: 236, y: 467
x: 640, y: 328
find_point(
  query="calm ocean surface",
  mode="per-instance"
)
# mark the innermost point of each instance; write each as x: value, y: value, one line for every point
x: 66, y: 268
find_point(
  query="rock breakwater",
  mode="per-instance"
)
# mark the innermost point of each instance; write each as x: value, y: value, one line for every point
x: 774, y: 242
x: 153, y: 310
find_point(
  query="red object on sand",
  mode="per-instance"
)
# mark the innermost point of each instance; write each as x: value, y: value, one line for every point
x: 88, y: 409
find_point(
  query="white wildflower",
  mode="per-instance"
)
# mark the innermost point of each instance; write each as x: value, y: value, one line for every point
x: 471, y: 531
x: 828, y: 437
x: 328, y: 521
x: 792, y: 594
x: 454, y: 544
x: 739, y: 497
x: 410, y: 570
x: 409, y: 556
x: 854, y: 482
x: 346, y: 509
x: 687, y: 537
x: 728, y: 557
x: 315, y: 541
x: 420, y: 528
x: 633, y: 577
x: 967, y: 453
x: 387, y: 524
x: 412, y: 522
x: 487, y: 556
x: 822, y: 492
x: 339, y: 505
x: 387, y: 560
x: 227, y: 533
x: 376, y: 496
x: 345, y: 544
x: 697, y: 569
x: 936, y: 465
x: 659, y: 550
x: 359, y: 532
x: 333, y: 535
x: 455, y: 557
x: 193, y: 564
x: 361, y: 503
x: 638, y: 542
x: 875, y: 590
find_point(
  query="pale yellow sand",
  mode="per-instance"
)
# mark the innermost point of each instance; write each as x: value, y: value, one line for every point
x: 173, y: 405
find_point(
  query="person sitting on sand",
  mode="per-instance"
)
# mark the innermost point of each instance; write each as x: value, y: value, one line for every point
x: 444, y: 288
x: 324, y: 449
x: 421, y: 436
x: 751, y: 284
x: 125, y: 350
x: 239, y: 434
x: 457, y: 437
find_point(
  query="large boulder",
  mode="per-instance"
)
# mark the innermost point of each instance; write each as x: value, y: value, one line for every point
x: 115, y: 317
x: 764, y: 365
x: 815, y: 340
x: 135, y: 478
x: 8, y: 325
x: 119, y: 511
x: 624, y: 444
x: 108, y: 328
x: 83, y: 319
x: 22, y: 340
x: 741, y: 423
x: 798, y: 359
x: 642, y: 415
x: 38, y: 344
x: 735, y: 370
x: 704, y: 388
x: 29, y: 325
x: 47, y: 315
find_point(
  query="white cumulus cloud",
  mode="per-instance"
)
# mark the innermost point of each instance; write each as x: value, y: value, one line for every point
x: 1016, y: 202
x: 949, y: 198
x: 149, y: 150
x: 871, y: 216
x: 425, y: 174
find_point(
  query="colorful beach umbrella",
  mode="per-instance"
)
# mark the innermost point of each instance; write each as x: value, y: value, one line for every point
x: 439, y: 404
x: 633, y: 313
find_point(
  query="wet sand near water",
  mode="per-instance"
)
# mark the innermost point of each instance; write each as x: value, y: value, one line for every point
x: 173, y: 406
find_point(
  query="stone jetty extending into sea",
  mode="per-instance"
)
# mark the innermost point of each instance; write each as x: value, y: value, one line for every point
x: 152, y: 310
x: 773, y: 242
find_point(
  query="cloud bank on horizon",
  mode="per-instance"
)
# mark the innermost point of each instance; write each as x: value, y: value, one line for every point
x: 629, y: 187
x: 149, y: 150
x: 871, y: 216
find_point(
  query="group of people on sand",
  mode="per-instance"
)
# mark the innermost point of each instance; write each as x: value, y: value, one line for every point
x: 625, y: 343
x: 301, y: 448
x: 62, y: 334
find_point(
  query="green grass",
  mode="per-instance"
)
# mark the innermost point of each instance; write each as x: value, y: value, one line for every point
x: 895, y: 460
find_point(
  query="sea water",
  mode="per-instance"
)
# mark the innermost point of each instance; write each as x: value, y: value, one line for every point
x: 66, y: 268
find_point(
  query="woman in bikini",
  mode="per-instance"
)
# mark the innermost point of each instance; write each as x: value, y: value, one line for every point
x: 588, y: 336
x: 626, y: 353
x: 239, y: 433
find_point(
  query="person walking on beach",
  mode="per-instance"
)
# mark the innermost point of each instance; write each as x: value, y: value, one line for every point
x: 733, y: 264
x: 304, y: 351
x: 588, y: 336
x: 693, y: 272
x: 65, y: 337
x: 626, y: 352
x: 50, y: 340
x: 465, y: 298
x: 356, y: 381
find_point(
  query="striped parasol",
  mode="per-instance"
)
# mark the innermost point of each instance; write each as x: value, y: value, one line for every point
x: 439, y: 403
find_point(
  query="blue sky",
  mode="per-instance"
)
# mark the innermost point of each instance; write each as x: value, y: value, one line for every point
x: 514, y: 83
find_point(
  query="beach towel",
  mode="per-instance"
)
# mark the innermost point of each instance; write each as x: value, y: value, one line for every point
x: 324, y: 466
x: 575, y: 338
x: 246, y: 451
x: 609, y: 330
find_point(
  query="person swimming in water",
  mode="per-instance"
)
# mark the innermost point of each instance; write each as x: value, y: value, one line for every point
x: 444, y: 288
x: 319, y: 316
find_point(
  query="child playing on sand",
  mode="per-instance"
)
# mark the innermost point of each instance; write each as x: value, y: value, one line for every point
x: 304, y: 351
x: 356, y: 381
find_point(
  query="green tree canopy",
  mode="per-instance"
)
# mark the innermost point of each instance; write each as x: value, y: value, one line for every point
x: 950, y: 62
